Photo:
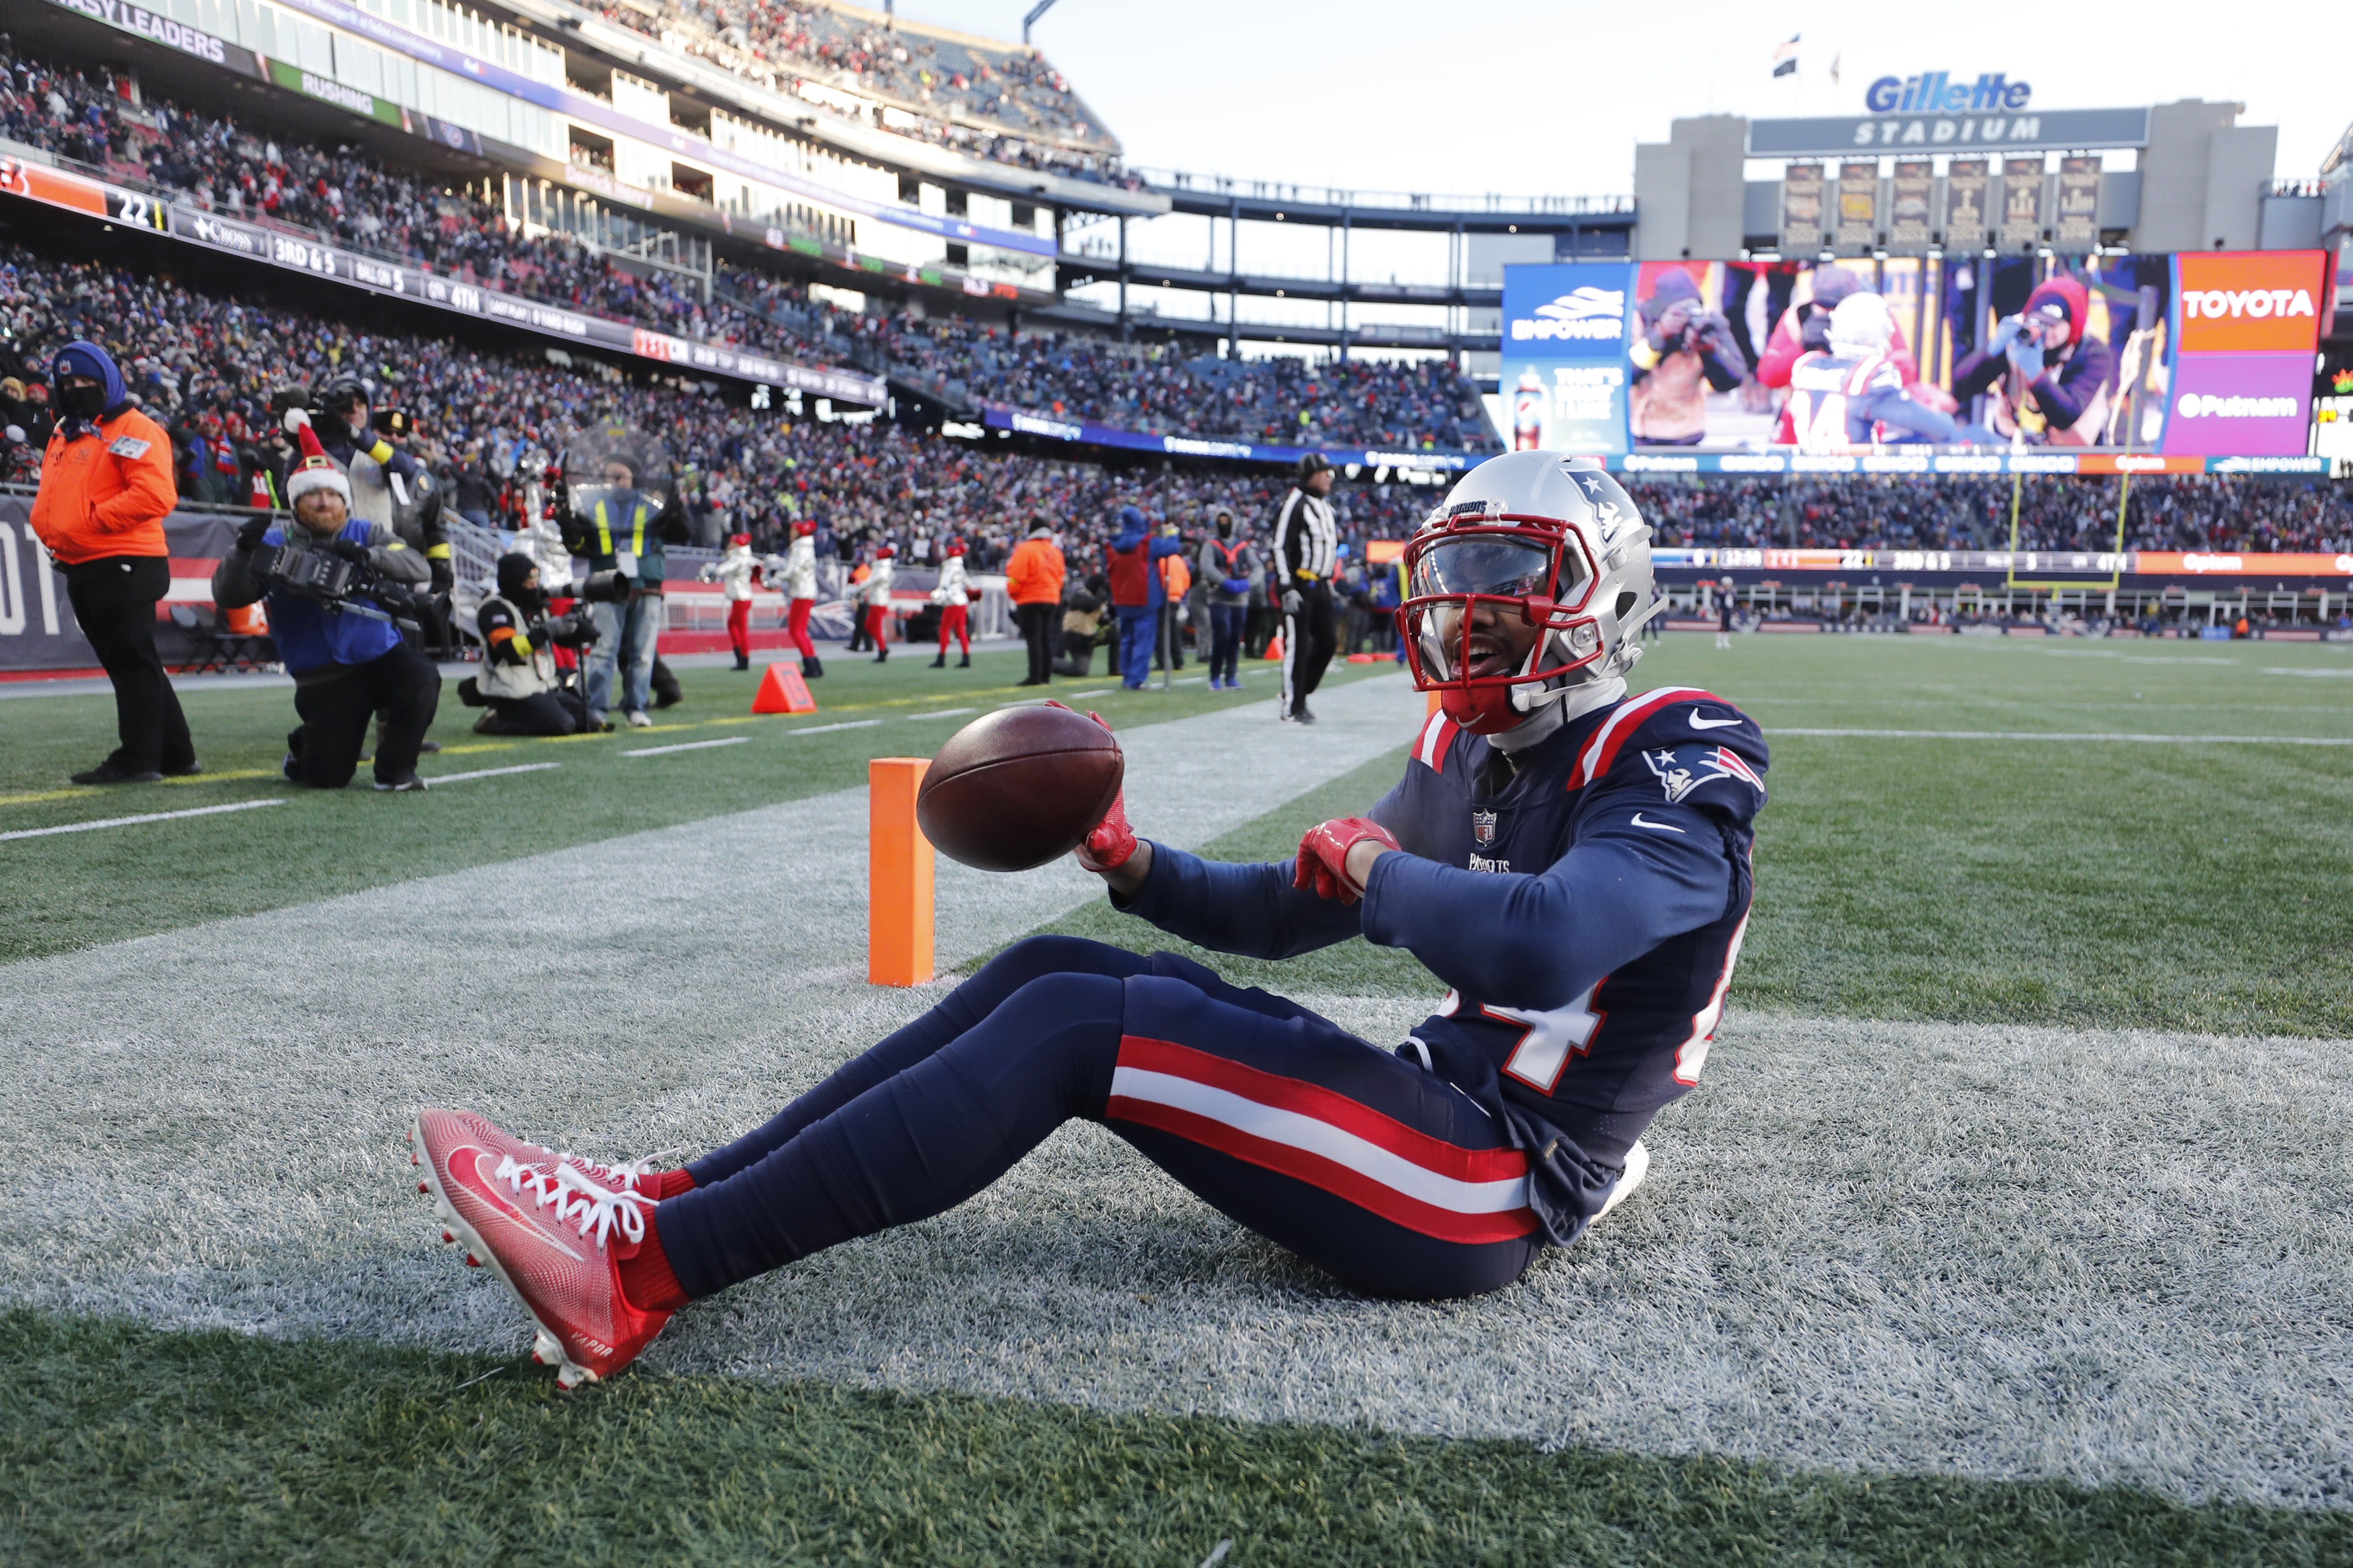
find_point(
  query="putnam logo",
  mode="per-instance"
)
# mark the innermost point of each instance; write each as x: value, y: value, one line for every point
x: 1586, y: 315
x: 2206, y: 405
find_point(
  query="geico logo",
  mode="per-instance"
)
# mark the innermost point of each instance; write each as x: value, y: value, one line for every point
x: 2206, y: 405
x: 2221, y: 304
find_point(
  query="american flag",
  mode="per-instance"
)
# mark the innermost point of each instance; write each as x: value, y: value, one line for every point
x: 1785, y: 59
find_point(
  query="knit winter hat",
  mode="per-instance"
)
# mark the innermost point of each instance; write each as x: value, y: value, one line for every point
x: 316, y: 471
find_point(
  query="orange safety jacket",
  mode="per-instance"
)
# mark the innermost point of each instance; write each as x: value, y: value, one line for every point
x: 106, y: 494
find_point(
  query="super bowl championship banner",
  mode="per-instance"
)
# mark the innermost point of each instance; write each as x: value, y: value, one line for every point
x: 2205, y: 355
x: 25, y: 175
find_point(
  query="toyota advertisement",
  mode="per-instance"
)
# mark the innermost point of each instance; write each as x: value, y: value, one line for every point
x: 2021, y: 360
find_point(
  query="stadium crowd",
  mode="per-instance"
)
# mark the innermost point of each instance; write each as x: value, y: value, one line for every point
x: 357, y: 200
x: 2205, y: 511
x: 205, y: 365
x: 1006, y: 106
x: 1422, y: 405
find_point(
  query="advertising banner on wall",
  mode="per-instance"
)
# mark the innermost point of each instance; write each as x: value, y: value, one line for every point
x: 37, y: 630
x: 1565, y: 369
x: 2246, y: 325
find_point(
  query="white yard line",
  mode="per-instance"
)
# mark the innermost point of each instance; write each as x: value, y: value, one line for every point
x: 2338, y: 674
x: 131, y: 821
x: 2069, y: 735
x: 431, y: 779
x: 687, y: 746
x: 829, y: 729
x: 942, y: 713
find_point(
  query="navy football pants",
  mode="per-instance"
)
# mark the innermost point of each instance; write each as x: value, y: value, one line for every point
x: 1349, y: 1155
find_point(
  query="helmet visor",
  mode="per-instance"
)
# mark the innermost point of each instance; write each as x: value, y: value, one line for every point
x: 1501, y: 567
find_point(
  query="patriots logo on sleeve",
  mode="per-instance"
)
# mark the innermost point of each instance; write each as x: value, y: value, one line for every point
x: 1681, y: 772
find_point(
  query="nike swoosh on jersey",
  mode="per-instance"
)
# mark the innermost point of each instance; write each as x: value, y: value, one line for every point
x: 483, y: 1186
x: 1662, y: 826
x: 1700, y: 723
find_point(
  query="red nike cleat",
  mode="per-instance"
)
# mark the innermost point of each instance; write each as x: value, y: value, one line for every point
x: 548, y: 1230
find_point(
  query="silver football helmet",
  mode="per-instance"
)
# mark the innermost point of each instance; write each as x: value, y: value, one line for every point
x: 1549, y: 538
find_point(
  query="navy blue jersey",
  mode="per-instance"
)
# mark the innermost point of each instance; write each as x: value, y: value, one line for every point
x: 1584, y: 900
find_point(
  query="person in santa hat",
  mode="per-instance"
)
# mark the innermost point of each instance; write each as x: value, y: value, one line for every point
x: 795, y: 573
x: 875, y: 594
x: 954, y: 594
x: 733, y: 572
x: 347, y: 657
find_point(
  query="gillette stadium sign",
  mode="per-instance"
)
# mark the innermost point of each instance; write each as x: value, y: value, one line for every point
x: 1933, y: 113
x: 1936, y: 92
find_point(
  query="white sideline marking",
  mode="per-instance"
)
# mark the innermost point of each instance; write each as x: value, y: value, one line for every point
x: 489, y: 772
x: 942, y: 713
x: 1090, y: 691
x: 127, y: 821
x: 2275, y: 669
x: 821, y: 729
x: 2075, y: 735
x: 686, y: 746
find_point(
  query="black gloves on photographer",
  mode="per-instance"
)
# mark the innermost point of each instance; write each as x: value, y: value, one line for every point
x: 574, y: 628
x: 248, y: 537
x: 351, y: 551
x: 445, y: 577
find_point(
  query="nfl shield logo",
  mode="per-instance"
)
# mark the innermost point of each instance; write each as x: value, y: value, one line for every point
x: 1482, y: 828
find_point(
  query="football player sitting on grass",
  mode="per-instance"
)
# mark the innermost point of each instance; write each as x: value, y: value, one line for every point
x: 1571, y: 864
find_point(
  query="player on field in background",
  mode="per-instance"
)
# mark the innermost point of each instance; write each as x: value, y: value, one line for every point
x: 1306, y: 546
x: 1571, y: 863
x: 954, y: 597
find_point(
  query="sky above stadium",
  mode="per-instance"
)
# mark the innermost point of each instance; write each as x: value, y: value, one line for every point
x: 1477, y: 96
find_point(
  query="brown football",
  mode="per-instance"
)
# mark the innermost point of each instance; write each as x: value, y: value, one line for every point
x: 1018, y: 787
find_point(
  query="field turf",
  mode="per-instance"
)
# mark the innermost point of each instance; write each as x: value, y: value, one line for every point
x: 1908, y: 884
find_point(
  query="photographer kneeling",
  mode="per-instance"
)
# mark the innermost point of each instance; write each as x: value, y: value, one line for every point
x: 517, y: 683
x: 334, y: 585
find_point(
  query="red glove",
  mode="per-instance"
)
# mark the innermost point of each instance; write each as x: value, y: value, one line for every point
x: 1112, y: 841
x: 1324, y: 856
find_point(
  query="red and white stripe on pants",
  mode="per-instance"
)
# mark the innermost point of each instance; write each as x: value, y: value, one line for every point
x: 1324, y: 1139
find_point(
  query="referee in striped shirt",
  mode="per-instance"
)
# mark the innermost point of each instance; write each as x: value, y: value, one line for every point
x: 1306, y: 544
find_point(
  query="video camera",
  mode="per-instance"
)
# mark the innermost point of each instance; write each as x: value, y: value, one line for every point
x: 338, y: 579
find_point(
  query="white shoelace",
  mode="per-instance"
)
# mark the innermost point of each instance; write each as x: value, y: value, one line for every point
x: 579, y: 1198
x: 621, y: 1173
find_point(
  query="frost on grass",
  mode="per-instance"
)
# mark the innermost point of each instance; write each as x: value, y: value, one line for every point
x: 1997, y: 1252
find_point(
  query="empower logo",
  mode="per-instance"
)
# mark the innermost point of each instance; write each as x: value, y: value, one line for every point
x: 1583, y: 314
x: 2262, y: 301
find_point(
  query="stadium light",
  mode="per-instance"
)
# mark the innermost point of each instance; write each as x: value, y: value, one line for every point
x: 1036, y: 11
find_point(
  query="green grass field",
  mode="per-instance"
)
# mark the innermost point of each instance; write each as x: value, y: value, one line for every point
x: 1972, y: 878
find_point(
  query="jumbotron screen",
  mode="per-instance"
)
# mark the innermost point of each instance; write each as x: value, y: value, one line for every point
x: 2198, y: 356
